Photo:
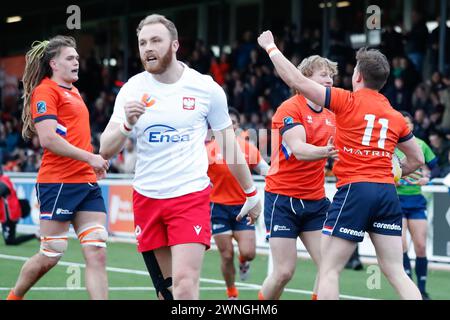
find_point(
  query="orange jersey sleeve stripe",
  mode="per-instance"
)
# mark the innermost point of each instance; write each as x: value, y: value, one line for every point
x: 41, y: 118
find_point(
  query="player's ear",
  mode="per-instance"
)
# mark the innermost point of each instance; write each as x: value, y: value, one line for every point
x: 359, y: 77
x: 52, y: 64
x: 175, y: 45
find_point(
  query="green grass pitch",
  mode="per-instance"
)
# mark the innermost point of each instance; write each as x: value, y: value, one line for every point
x: 128, y: 278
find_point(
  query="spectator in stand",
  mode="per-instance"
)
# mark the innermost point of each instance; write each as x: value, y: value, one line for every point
x: 252, y: 90
x: 409, y: 74
x: 434, y: 45
x: 216, y: 72
x: 263, y: 104
x: 244, y: 49
x: 278, y: 91
x: 391, y: 42
x: 338, y: 51
x: 444, y: 96
x: 436, y: 83
x: 436, y: 118
x: 399, y: 96
x: 201, y: 58
x: 440, y: 147
x: 421, y: 98
x: 99, y: 117
x: 416, y: 40
x: 12, y: 135
x: 30, y: 163
x: 421, y: 124
x: 446, y: 169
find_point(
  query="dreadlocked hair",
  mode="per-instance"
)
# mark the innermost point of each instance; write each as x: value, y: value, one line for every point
x: 37, y: 67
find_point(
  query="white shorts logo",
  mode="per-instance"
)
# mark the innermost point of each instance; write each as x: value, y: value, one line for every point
x: 352, y: 232
x: 387, y: 226
x: 63, y: 211
x: 197, y: 229
x: 137, y: 231
x: 280, y: 228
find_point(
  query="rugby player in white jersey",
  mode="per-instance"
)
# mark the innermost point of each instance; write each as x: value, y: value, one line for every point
x: 169, y: 107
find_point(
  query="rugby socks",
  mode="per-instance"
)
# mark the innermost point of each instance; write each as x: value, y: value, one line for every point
x: 242, y: 260
x: 314, y: 296
x: 232, y: 292
x: 407, y: 264
x: 421, y: 272
x: 12, y: 296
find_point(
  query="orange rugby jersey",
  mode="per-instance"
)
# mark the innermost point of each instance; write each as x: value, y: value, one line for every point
x: 287, y: 175
x: 51, y: 101
x: 367, y: 131
x: 225, y: 188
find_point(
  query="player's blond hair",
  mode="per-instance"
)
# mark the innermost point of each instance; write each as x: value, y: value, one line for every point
x: 37, y: 67
x: 157, y: 18
x: 316, y: 62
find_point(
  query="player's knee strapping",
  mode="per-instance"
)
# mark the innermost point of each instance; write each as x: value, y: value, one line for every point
x: 53, y: 246
x: 161, y: 285
x: 95, y: 235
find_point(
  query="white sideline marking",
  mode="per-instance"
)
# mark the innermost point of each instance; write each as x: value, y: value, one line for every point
x: 241, y: 285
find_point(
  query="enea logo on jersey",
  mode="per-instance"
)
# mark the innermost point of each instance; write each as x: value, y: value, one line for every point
x: 188, y: 103
x: 148, y: 100
x: 160, y: 133
x: 41, y: 107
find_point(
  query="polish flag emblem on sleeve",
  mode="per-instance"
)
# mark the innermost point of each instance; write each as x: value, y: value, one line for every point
x: 188, y: 103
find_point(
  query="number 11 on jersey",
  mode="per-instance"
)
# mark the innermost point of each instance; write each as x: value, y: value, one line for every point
x: 370, y: 118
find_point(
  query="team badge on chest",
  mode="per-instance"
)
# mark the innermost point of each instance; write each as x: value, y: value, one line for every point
x: 188, y: 103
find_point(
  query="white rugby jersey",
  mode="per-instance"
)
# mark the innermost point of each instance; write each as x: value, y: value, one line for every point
x: 171, y: 153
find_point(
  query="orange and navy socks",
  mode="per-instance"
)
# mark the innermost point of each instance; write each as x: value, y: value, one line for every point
x: 12, y: 296
x: 314, y: 296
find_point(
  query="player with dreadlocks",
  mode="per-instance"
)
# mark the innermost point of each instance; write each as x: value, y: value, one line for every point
x: 66, y: 184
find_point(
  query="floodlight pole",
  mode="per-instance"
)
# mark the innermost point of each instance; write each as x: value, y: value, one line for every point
x: 442, y: 35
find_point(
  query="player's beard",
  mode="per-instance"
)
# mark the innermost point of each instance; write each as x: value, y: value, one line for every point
x: 162, y: 64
